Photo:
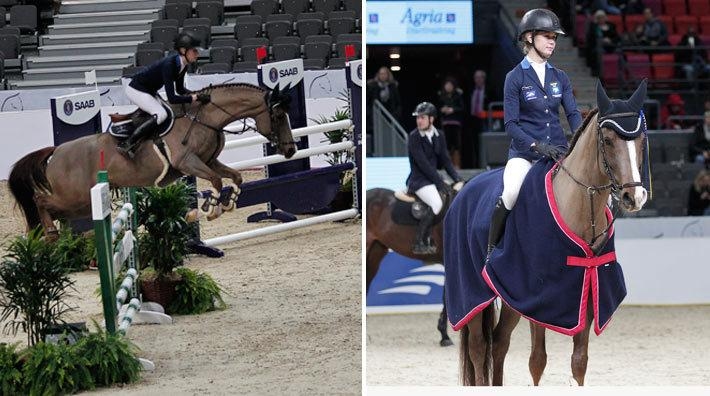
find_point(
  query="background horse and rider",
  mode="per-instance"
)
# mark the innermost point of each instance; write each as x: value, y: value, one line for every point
x: 54, y: 182
x: 390, y: 226
x: 556, y: 264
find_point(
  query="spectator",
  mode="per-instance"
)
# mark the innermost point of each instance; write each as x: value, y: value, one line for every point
x: 700, y: 149
x: 692, y: 61
x: 699, y: 197
x: 601, y: 36
x: 673, y: 107
x: 480, y: 97
x: 382, y: 87
x: 655, y: 32
x: 634, y: 37
x: 451, y: 109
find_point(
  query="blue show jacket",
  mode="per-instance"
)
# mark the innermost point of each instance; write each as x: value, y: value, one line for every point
x: 165, y: 72
x: 532, y: 111
x: 424, y: 160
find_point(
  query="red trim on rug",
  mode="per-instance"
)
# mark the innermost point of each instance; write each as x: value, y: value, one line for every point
x: 581, y: 321
x: 558, y: 218
x: 475, y: 311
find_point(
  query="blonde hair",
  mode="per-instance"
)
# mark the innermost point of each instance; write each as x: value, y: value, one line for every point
x: 697, y: 183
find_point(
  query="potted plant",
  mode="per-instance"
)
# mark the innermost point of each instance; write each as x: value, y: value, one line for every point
x: 34, y: 284
x: 344, y: 198
x: 162, y: 243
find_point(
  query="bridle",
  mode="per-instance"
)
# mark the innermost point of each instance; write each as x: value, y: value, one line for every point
x: 272, y: 136
x: 614, y: 186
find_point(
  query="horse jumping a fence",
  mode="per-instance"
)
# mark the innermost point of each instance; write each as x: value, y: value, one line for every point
x: 53, y: 182
x: 556, y: 264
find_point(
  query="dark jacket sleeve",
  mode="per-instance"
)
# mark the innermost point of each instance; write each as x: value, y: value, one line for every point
x: 170, y: 83
x: 180, y: 83
x: 511, y: 107
x: 415, y: 151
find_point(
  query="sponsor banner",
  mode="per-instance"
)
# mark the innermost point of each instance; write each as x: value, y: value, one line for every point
x: 77, y: 109
x: 356, y: 72
x: 284, y: 73
x: 403, y: 283
x: 420, y: 22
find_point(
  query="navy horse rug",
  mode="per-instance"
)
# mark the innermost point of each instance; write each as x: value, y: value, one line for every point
x: 540, y: 268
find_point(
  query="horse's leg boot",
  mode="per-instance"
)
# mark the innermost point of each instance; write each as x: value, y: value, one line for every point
x: 497, y: 228
x: 128, y: 146
x: 423, y: 243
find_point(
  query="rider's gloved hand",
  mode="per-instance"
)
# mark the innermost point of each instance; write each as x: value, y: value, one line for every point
x: 547, y: 150
x: 203, y: 98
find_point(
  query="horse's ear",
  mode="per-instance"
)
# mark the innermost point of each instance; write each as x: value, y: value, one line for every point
x: 636, y: 100
x: 603, y: 102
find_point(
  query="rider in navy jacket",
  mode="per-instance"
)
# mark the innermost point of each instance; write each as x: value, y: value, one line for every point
x: 427, y: 153
x: 533, y: 92
x: 170, y: 73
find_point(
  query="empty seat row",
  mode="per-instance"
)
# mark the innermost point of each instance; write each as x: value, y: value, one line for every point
x: 23, y: 17
x: 266, y: 7
x: 212, y: 10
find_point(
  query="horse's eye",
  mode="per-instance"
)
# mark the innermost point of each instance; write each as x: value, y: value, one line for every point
x: 608, y: 141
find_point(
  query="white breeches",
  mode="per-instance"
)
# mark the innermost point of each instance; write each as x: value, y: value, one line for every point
x: 430, y: 195
x: 147, y: 103
x: 513, y: 177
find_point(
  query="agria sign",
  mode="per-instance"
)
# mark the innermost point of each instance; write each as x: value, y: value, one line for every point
x: 418, y: 18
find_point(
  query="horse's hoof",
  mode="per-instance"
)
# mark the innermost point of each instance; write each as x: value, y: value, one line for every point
x: 446, y: 342
x: 192, y: 216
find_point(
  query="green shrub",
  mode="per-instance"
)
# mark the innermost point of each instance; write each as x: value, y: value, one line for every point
x: 111, y: 358
x: 196, y: 293
x: 55, y: 369
x: 10, y: 370
x: 75, y: 251
x: 34, y: 284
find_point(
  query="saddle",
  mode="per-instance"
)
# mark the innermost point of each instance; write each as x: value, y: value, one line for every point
x: 123, y: 125
x: 408, y: 209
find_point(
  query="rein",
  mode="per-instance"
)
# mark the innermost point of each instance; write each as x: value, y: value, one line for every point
x: 194, y: 119
x: 613, y: 185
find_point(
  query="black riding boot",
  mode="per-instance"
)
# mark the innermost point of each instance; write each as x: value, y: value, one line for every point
x: 495, y: 232
x: 127, y: 146
x: 423, y: 243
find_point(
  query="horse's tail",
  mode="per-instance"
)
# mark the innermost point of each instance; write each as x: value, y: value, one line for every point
x: 26, y: 178
x: 468, y: 371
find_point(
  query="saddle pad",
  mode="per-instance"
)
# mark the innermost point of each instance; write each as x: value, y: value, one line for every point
x: 546, y: 272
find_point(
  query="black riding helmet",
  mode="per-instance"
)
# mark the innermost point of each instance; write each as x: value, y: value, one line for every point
x: 425, y: 108
x: 186, y: 40
x: 539, y: 19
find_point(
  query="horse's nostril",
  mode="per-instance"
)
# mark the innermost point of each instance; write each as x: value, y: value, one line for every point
x: 628, y: 200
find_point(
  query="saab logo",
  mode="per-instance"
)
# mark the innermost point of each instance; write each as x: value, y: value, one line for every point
x: 359, y: 71
x: 87, y: 104
x: 288, y: 72
x: 273, y: 74
x: 68, y: 107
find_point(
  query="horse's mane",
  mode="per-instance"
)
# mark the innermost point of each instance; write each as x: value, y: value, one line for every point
x: 581, y: 128
x: 210, y: 88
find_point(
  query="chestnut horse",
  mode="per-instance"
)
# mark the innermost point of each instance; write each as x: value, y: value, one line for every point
x: 604, y: 160
x: 54, y: 182
x: 382, y: 234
